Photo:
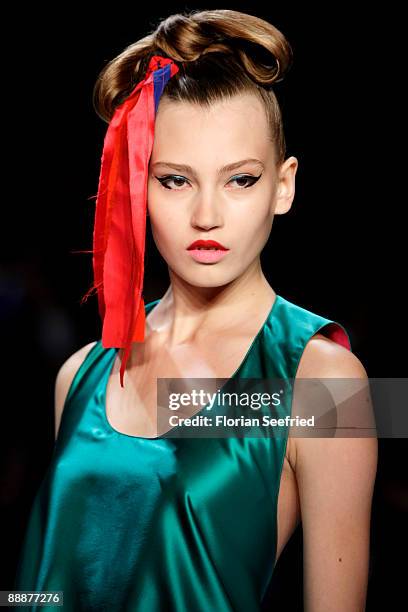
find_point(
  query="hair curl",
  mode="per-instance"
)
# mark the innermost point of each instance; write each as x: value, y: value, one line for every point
x: 220, y: 53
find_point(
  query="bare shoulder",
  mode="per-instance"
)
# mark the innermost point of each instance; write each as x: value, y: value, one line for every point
x: 65, y: 377
x: 323, y: 357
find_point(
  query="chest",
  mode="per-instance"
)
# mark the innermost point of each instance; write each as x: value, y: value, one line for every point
x: 134, y: 409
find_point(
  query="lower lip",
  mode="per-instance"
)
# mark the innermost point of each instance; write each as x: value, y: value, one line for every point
x: 207, y: 256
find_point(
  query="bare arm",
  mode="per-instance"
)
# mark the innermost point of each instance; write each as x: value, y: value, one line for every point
x: 335, y: 478
x: 64, y: 379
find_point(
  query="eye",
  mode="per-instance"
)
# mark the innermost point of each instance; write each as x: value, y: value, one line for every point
x: 176, y: 178
x: 252, y: 179
x: 170, y: 177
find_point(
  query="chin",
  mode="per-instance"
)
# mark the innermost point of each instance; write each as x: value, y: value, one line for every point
x: 205, y: 276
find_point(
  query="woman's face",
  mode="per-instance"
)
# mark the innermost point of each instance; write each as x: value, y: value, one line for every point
x: 233, y: 206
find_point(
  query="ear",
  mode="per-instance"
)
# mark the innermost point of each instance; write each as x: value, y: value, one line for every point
x: 285, y: 191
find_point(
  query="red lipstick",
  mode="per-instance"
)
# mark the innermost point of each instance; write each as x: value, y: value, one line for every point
x: 207, y: 244
x: 207, y: 251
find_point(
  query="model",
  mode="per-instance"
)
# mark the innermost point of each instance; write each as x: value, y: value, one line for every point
x: 129, y: 516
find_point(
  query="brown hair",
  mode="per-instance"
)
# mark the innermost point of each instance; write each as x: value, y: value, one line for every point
x: 220, y: 53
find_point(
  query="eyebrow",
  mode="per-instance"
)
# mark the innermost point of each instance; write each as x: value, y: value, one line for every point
x: 227, y: 168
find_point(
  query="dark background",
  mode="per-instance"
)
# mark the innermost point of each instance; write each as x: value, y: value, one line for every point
x: 339, y: 252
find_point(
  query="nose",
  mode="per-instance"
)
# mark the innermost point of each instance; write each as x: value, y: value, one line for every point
x: 206, y: 213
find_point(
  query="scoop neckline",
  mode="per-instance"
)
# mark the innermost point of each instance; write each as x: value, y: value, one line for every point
x: 232, y: 377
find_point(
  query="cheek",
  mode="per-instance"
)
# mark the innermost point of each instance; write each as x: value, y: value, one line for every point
x: 166, y: 225
x: 166, y: 218
x: 252, y: 228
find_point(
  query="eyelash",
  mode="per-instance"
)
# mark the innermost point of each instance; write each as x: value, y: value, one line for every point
x: 163, y: 179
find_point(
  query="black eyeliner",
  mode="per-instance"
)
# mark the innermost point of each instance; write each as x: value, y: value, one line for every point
x: 255, y: 179
x: 162, y: 179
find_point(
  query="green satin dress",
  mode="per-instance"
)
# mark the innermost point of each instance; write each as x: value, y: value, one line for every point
x: 130, y: 524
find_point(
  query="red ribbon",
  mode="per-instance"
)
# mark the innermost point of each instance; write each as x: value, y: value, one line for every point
x: 120, y: 217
